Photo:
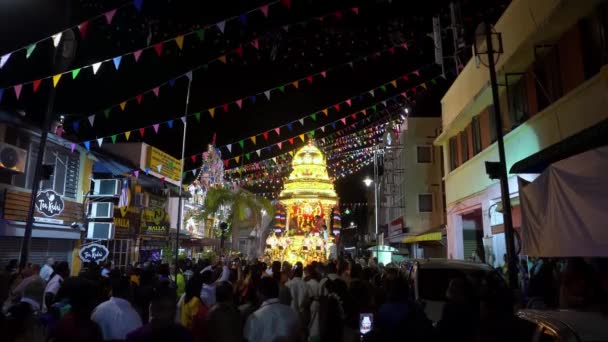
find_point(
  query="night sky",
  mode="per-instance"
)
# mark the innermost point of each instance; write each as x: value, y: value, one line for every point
x: 307, y: 47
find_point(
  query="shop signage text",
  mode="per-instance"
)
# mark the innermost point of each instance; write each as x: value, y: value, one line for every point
x: 93, y: 252
x: 49, y: 203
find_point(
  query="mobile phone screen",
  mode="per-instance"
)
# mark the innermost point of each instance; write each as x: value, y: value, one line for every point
x: 366, y: 323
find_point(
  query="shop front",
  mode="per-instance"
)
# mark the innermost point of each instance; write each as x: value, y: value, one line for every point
x: 154, y: 227
x: 56, y: 229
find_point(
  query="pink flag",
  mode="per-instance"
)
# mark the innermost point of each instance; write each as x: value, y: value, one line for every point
x: 137, y: 54
x: 18, y: 90
x: 156, y: 127
x: 155, y: 91
x: 109, y: 15
x: 264, y: 10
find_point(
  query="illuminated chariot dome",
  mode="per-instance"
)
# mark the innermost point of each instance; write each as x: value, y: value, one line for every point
x: 308, y: 197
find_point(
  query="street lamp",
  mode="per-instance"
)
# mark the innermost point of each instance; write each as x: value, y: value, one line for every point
x: 488, y: 42
x: 368, y: 181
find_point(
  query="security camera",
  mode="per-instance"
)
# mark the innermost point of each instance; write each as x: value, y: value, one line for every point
x: 76, y: 225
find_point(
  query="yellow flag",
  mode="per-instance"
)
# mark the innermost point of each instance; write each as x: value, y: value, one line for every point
x: 325, y: 111
x: 179, y: 40
x: 212, y: 112
x: 127, y: 135
x: 237, y: 159
x: 253, y: 139
x: 123, y: 104
x: 394, y: 83
x: 296, y: 84
x: 302, y: 137
x: 222, y: 59
x: 56, y: 79
x: 423, y: 85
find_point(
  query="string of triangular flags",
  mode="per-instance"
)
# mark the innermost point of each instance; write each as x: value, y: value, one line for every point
x: 253, y: 98
x: 82, y: 28
x: 265, y: 135
x: 375, y: 126
x: 158, y: 49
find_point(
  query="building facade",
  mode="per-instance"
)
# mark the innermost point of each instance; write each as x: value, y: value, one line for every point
x: 411, y: 190
x: 553, y: 83
x: 59, y: 210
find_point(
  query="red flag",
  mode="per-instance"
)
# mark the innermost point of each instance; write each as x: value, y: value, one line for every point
x: 309, y: 79
x: 265, y: 135
x: 405, y: 77
x: 139, y: 98
x: 391, y: 50
x: 225, y: 107
x: 287, y: 3
x: 414, y: 90
x: 158, y: 48
x: 213, y: 139
x: 83, y: 29
x: 337, y: 107
x: 142, y: 131
x: 291, y: 141
x: 226, y: 161
x: 264, y: 10
x: 36, y: 84
x: 239, y: 51
x: 354, y: 116
x: 193, y: 157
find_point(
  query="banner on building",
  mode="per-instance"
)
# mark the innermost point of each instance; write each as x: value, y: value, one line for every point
x: 93, y: 252
x: 154, y: 218
x: 165, y: 164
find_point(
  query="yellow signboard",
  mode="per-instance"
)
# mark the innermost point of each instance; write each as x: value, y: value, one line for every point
x: 164, y: 164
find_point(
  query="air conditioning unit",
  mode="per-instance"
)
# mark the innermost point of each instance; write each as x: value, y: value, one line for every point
x: 100, y: 231
x: 101, y: 210
x: 141, y: 200
x: 106, y: 187
x: 12, y: 158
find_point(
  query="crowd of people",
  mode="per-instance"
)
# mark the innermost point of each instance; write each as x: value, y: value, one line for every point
x: 234, y: 300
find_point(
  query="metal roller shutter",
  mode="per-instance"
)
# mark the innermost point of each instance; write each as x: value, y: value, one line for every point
x: 40, y: 250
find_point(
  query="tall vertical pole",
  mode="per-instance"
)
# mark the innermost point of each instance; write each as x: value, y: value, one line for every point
x: 504, y: 177
x: 376, y: 185
x: 181, y: 177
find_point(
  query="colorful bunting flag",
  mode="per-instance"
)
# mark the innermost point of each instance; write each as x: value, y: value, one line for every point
x: 179, y: 40
x: 253, y: 139
x: 355, y: 10
x: 267, y: 94
x: 136, y: 173
x: 200, y: 34
x: 237, y: 158
x: 29, y: 50
x: 155, y: 126
x: 221, y: 26
x: 106, y: 113
x: 109, y: 15
x: 72, y: 147
x: 239, y: 51
x: 172, y: 83
x: 56, y: 80
x: 314, y: 117
x: 287, y: 3
x: 142, y: 131
x: 155, y: 91
x: 36, y: 85
x: 92, y: 119
x: 170, y: 123
x: 325, y: 111
x: 239, y: 103
x: 242, y: 144
x: 265, y: 135
x: 4, y: 58
x: 75, y: 73
x: 96, y: 67
x: 264, y: 10
x: 75, y: 126
x: 348, y: 102
x: 290, y: 141
x: 229, y: 147
x: 324, y: 74
x: 225, y: 107
x: 337, y: 107
x: 282, y: 88
x: 278, y: 130
x: 158, y: 48
x: 87, y: 145
x: 99, y: 141
x: 295, y: 84
x: 123, y: 104
x: 255, y: 44
x: 57, y: 39
x: 222, y: 59
x: 17, y: 89
x: 113, y: 139
x: 280, y: 145
x: 212, y: 112
x: 116, y: 61
x: 159, y: 168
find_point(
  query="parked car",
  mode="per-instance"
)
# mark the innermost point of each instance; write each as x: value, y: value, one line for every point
x: 566, y: 325
x: 429, y: 279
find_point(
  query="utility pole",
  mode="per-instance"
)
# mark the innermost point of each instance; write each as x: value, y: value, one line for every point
x: 502, y: 170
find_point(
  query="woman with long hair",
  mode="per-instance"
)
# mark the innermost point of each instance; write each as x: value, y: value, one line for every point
x: 191, y: 300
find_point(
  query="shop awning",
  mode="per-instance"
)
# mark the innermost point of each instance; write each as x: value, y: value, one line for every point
x: 432, y: 236
x: 105, y: 164
x: 588, y: 139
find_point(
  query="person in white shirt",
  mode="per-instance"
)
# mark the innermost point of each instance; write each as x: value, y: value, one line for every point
x: 314, y: 292
x: 331, y: 275
x: 273, y: 321
x: 300, y: 299
x: 208, y: 289
x: 116, y: 317
x: 47, y: 269
x: 52, y: 287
